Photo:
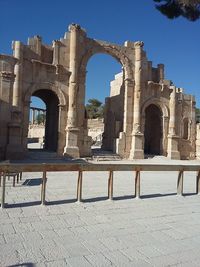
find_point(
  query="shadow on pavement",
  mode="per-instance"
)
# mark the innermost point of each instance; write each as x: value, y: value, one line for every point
x: 157, y: 195
x: 94, y: 199
x: 58, y: 202
x: 27, y: 264
x: 22, y: 205
x: 32, y: 182
x: 89, y: 200
x: 123, y: 197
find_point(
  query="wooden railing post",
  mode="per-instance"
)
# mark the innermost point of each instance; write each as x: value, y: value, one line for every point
x: 13, y: 179
x: 180, y: 183
x: 43, y: 188
x: 79, y: 186
x: 3, y: 191
x: 18, y: 177
x: 137, y: 184
x: 110, y: 185
x: 198, y: 182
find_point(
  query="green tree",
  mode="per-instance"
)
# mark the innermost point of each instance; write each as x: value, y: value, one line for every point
x: 40, y: 119
x: 190, y: 9
x: 94, y: 108
x: 197, y: 115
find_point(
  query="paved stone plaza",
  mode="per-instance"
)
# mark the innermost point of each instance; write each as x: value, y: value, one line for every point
x: 160, y: 229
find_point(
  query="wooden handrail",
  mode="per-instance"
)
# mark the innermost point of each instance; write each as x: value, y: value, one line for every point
x: 6, y: 167
x: 54, y: 167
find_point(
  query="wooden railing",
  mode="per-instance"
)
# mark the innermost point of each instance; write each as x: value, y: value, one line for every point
x: 6, y: 168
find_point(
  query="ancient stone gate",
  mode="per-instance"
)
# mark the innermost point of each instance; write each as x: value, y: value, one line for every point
x: 57, y: 75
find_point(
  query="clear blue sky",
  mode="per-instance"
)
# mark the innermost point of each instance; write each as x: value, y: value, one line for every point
x: 176, y: 43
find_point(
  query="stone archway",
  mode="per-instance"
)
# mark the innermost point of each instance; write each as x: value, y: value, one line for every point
x: 119, y: 53
x: 56, y: 106
x: 153, y: 132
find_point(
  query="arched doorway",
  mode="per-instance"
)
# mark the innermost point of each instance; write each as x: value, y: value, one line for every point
x: 51, y: 101
x: 153, y: 130
x: 37, y: 121
x: 78, y: 142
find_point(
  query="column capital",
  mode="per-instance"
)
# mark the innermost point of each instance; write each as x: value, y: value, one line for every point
x: 56, y: 42
x: 139, y: 44
x: 74, y: 27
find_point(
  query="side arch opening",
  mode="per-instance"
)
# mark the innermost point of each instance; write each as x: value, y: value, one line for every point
x: 153, y: 133
x: 46, y: 115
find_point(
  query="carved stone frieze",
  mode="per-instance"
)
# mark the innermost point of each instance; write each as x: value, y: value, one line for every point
x: 7, y: 76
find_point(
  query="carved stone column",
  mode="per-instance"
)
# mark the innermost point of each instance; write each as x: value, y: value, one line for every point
x: 72, y: 131
x: 6, y: 86
x: 61, y: 128
x: 165, y: 134
x: 56, y: 52
x: 17, y: 87
x: 161, y: 72
x: 137, y: 151
x: 33, y: 113
x: 15, y: 149
x: 173, y: 139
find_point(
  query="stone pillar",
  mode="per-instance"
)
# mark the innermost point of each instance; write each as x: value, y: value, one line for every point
x: 85, y: 141
x: 61, y: 128
x: 137, y: 151
x: 17, y: 87
x: 6, y: 86
x: 56, y: 52
x: 25, y: 129
x: 198, y: 141
x: 165, y: 134
x: 15, y: 148
x: 34, y: 116
x: 161, y: 72
x: 193, y: 127
x: 172, y: 107
x: 150, y: 78
x: 173, y: 139
x: 71, y: 149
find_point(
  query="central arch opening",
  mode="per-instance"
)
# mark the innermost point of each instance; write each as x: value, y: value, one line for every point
x: 48, y: 118
x: 104, y: 82
x: 153, y: 130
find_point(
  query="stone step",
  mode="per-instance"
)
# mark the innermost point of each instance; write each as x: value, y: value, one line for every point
x: 106, y: 158
x: 100, y: 155
x: 44, y: 155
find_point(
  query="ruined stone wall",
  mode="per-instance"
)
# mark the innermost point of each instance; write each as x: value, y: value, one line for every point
x: 7, y: 76
x: 114, y: 112
x: 42, y: 71
x: 187, y: 127
x: 158, y: 91
x: 57, y: 73
x: 198, y: 141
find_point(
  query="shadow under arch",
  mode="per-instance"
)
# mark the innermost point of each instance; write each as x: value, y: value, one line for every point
x: 52, y: 116
x: 155, y: 130
x: 54, y: 98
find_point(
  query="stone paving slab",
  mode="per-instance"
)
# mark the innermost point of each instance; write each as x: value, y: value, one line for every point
x: 160, y: 229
